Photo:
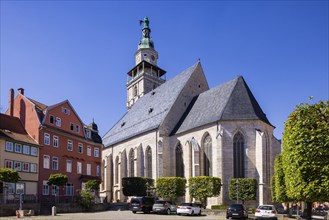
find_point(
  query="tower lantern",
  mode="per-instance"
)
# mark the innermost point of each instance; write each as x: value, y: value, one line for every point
x: 146, y: 75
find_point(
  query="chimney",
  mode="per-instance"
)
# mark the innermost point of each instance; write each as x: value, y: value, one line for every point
x: 11, y: 102
x: 21, y: 91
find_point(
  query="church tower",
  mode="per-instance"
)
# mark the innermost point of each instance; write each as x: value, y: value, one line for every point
x: 146, y: 75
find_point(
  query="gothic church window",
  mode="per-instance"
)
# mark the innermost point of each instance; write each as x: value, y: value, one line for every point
x: 116, y: 178
x: 207, y: 156
x: 238, y: 156
x: 131, y: 163
x: 149, y: 162
x: 179, y: 161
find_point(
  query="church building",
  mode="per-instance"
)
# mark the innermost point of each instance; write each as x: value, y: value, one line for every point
x: 181, y: 127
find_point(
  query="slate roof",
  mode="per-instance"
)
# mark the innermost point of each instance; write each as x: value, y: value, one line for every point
x: 232, y: 100
x: 149, y: 111
x: 12, y: 128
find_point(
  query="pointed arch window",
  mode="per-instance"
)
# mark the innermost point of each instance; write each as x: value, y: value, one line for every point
x: 149, y: 162
x: 116, y: 177
x: 207, y: 156
x: 179, y: 161
x: 131, y: 163
x: 238, y: 155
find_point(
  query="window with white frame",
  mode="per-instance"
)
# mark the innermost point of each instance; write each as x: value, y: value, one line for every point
x: 96, y: 152
x: 58, y: 121
x: 77, y: 128
x: 55, y: 141
x: 45, y: 188
x: 69, y: 166
x: 69, y: 189
x: 18, y: 148
x: 9, y: 164
x: 89, y: 151
x: 46, y: 161
x: 46, y: 140
x: 54, y: 190
x: 26, y: 167
x: 66, y: 111
x: 70, y: 145
x: 17, y: 166
x: 9, y: 146
x: 55, y: 163
x: 20, y: 188
x: 10, y: 188
x: 34, y: 151
x: 26, y: 149
x: 88, y: 169
x: 98, y: 170
x: 80, y: 148
x: 33, y: 168
x: 88, y: 133
x: 79, y: 167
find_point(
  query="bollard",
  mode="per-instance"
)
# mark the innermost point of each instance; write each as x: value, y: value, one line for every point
x: 53, y: 210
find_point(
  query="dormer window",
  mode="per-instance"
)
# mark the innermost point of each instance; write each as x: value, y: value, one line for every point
x: 150, y: 110
x: 77, y: 128
x: 88, y: 133
x: 71, y: 126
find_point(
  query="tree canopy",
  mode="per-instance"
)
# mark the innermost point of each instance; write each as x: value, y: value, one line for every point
x: 246, y: 189
x: 170, y: 187
x: 57, y: 179
x: 9, y: 175
x: 136, y: 186
x: 305, y: 152
x: 92, y: 185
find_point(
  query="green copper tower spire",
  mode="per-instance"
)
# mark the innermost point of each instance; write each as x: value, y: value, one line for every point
x: 146, y: 41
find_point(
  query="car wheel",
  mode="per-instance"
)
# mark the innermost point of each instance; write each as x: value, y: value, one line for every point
x: 199, y: 212
x: 192, y: 213
x: 227, y: 217
x: 168, y: 212
x: 178, y: 213
x: 134, y: 212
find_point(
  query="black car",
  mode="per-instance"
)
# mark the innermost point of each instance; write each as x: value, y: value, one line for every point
x: 237, y: 211
x: 142, y: 204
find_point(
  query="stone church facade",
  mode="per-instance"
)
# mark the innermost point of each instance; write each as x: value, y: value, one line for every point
x: 181, y: 127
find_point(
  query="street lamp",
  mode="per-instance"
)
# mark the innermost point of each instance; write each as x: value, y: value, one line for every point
x: 237, y: 191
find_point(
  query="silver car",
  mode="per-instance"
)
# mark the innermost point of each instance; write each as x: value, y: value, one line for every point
x: 165, y: 207
x: 266, y: 212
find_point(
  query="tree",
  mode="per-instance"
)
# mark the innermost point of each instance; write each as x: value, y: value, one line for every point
x: 170, y: 187
x: 305, y: 154
x: 136, y: 186
x: 9, y: 176
x: 245, y: 190
x: 92, y: 185
x: 202, y: 187
x: 274, y: 199
x: 57, y: 179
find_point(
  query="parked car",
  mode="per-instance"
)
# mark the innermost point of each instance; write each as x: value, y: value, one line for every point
x: 188, y: 208
x: 237, y: 211
x: 266, y: 212
x: 165, y: 207
x: 142, y: 204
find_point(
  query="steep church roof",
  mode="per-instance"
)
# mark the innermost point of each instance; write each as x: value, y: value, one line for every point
x: 150, y: 110
x: 232, y: 100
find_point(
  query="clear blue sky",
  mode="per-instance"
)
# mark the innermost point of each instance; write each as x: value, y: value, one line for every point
x: 82, y: 50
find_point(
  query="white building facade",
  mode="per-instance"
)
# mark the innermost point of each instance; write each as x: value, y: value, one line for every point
x: 180, y: 127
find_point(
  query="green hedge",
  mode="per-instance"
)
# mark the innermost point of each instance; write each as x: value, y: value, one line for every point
x: 219, y: 207
x: 136, y: 186
x: 170, y: 187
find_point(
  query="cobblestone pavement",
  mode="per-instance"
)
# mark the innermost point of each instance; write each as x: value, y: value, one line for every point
x: 123, y: 215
